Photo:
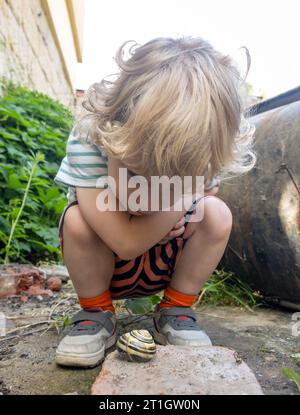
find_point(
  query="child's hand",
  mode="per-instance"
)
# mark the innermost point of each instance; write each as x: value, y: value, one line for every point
x: 178, y: 230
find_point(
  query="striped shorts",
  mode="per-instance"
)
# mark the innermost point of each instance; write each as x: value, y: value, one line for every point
x: 146, y: 274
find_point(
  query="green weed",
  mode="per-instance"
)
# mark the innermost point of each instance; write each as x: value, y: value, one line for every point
x: 223, y: 288
x: 291, y: 375
x: 31, y: 125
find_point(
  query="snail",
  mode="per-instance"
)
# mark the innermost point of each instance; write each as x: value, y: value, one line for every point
x: 136, y: 346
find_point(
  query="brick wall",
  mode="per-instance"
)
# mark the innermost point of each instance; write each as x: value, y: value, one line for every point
x: 28, y: 52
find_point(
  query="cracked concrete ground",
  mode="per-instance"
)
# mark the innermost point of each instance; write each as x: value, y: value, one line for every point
x: 263, y: 339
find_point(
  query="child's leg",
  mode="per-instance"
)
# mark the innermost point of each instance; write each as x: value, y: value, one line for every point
x: 88, y: 259
x: 90, y: 264
x: 175, y: 321
x: 204, y: 248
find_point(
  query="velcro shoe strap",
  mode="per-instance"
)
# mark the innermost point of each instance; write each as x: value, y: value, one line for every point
x: 99, y: 317
x: 178, y: 311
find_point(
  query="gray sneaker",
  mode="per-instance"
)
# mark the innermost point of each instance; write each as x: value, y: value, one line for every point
x: 178, y: 326
x: 87, y: 338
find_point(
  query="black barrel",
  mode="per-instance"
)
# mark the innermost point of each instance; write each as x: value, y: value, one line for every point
x: 264, y: 247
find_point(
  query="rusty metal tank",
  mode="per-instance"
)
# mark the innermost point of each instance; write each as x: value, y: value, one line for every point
x: 264, y: 247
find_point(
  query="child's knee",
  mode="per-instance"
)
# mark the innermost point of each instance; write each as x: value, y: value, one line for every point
x: 216, y: 222
x: 217, y: 219
x: 77, y: 229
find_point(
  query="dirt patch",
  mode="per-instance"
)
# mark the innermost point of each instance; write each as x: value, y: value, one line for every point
x: 27, y: 353
x: 262, y: 338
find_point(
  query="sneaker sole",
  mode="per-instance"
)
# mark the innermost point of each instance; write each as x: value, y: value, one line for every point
x: 87, y: 360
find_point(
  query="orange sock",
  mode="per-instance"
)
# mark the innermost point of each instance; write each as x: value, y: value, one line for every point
x: 102, y: 301
x: 173, y: 298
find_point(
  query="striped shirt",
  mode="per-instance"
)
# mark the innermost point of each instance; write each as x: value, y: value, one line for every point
x: 85, y: 165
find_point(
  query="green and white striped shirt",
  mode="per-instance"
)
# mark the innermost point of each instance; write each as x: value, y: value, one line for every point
x: 85, y: 165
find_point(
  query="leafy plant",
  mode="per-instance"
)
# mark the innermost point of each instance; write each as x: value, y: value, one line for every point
x: 16, y: 213
x: 31, y: 125
x: 223, y: 288
x: 142, y: 305
x: 61, y: 322
x: 290, y: 374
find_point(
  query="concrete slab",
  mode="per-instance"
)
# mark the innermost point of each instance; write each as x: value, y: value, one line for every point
x: 178, y: 370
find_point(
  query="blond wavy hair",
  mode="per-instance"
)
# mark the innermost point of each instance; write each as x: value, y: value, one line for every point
x: 176, y: 107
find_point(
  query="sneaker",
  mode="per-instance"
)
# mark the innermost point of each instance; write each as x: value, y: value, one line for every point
x: 87, y: 338
x: 178, y: 326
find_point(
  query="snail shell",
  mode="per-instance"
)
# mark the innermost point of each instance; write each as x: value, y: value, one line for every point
x: 136, y: 346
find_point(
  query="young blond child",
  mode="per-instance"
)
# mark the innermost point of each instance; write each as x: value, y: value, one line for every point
x: 176, y: 108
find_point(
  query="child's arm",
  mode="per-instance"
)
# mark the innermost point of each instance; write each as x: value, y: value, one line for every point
x: 113, y: 171
x: 128, y: 236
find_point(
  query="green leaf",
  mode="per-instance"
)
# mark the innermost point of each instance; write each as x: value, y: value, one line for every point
x: 60, y: 205
x: 25, y: 246
x: 139, y: 305
x: 290, y: 374
x: 155, y: 299
x: 45, y: 246
x: 13, y: 182
x: 67, y: 321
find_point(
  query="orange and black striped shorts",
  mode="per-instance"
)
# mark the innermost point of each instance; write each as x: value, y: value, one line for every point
x: 146, y: 274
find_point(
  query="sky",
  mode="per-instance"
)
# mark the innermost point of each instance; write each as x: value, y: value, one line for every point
x: 270, y: 29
